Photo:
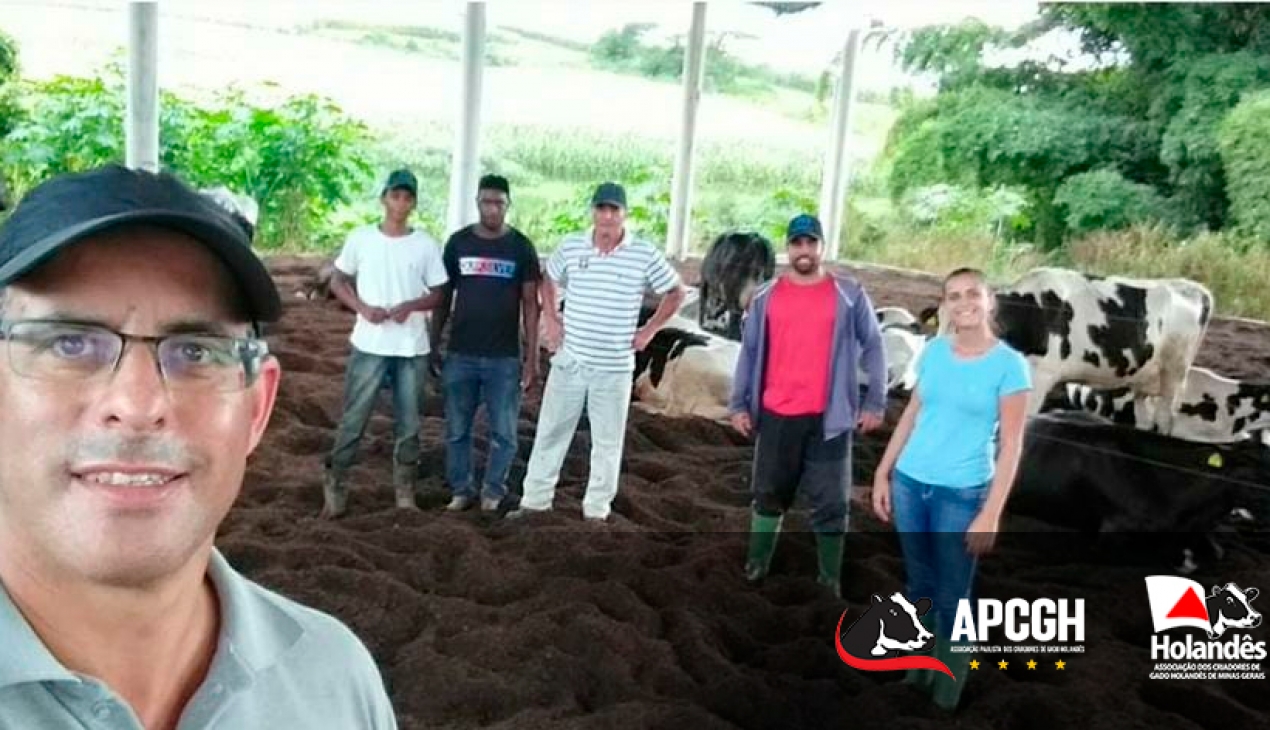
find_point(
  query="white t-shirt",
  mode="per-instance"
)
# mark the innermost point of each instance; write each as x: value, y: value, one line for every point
x: 390, y: 271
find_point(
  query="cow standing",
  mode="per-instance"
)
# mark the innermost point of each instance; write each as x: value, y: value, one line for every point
x: 1105, y: 331
x: 732, y: 270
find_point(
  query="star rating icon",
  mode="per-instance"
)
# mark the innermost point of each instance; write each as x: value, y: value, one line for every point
x: 1032, y: 664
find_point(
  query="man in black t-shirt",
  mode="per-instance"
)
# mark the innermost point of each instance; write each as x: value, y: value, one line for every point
x: 494, y: 276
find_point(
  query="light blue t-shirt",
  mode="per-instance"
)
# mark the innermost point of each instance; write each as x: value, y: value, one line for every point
x: 953, y: 442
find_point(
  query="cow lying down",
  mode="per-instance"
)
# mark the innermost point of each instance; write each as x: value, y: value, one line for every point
x: 1138, y: 488
x: 1211, y: 409
x: 685, y: 371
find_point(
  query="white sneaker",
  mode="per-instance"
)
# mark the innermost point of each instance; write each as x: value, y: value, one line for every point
x: 459, y: 504
x: 490, y: 504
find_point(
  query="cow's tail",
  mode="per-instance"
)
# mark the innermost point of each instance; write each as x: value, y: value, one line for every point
x: 885, y: 665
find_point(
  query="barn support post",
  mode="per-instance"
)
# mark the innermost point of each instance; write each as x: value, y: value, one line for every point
x: 833, y: 187
x: 466, y: 159
x: 141, y: 125
x: 681, y: 184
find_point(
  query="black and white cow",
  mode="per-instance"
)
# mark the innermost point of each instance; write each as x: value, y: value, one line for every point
x: 902, y: 347
x: 1080, y: 472
x: 685, y: 371
x: 897, y: 317
x: 1104, y: 331
x: 1230, y: 607
x: 734, y: 267
x: 1211, y: 409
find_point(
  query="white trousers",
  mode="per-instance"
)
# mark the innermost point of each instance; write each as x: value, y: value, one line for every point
x: 606, y: 396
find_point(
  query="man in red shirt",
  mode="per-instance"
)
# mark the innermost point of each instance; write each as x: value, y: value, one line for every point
x: 804, y: 336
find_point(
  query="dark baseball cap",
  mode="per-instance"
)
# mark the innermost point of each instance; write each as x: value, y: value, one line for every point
x: 804, y: 225
x: 402, y: 178
x: 611, y: 193
x: 69, y: 208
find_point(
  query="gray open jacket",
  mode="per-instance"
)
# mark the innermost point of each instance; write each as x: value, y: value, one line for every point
x: 856, y: 339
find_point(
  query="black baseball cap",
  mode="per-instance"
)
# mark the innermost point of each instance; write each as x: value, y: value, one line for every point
x: 69, y: 208
x: 804, y: 225
x: 610, y: 193
x: 402, y: 178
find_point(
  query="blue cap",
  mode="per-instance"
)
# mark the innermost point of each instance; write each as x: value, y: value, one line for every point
x: 804, y: 225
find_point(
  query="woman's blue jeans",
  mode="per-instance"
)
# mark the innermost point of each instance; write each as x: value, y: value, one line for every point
x: 932, y: 522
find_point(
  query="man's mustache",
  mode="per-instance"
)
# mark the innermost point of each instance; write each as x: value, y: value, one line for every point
x: 115, y: 448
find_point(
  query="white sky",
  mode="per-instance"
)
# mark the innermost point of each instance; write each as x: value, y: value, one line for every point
x: 210, y: 44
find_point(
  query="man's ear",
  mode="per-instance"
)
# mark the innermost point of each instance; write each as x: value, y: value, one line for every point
x: 264, y: 395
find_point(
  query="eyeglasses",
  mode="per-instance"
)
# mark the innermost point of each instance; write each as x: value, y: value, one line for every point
x: 68, y: 352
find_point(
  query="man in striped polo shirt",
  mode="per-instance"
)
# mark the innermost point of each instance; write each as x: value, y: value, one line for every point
x: 603, y: 274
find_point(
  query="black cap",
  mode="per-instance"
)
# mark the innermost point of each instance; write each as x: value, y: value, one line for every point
x: 804, y: 225
x: 69, y: 208
x: 402, y: 178
x: 611, y: 193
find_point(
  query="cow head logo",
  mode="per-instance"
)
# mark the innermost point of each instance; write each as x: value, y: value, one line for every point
x: 1177, y: 602
x: 889, y: 627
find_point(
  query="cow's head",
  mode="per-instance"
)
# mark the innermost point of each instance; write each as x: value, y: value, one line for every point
x: 732, y: 270
x: 902, y: 628
x: 1231, y: 607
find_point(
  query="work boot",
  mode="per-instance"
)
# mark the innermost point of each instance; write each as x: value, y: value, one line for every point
x: 763, y: 533
x: 829, y: 554
x: 403, y: 482
x: 946, y: 692
x: 922, y: 679
x: 334, y: 495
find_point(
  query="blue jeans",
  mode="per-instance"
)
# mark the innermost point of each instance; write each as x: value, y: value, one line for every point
x: 470, y: 381
x: 932, y: 522
x: 364, y: 376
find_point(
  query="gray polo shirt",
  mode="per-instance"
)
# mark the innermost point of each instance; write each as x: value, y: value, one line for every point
x: 277, y: 665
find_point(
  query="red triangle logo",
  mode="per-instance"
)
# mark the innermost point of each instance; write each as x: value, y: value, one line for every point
x: 1189, y: 606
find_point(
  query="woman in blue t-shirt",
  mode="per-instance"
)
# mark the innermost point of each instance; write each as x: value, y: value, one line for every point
x: 943, y: 478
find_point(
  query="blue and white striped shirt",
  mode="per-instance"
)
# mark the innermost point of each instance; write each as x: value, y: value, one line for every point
x: 603, y: 294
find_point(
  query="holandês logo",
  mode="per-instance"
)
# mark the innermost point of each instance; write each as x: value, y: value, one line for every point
x: 1225, y: 615
x: 889, y: 626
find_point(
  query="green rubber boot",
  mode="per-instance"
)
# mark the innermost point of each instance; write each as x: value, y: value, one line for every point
x: 763, y: 533
x: 829, y: 553
x: 922, y: 679
x: 946, y: 692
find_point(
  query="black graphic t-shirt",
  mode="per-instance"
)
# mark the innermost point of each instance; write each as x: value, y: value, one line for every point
x: 487, y: 275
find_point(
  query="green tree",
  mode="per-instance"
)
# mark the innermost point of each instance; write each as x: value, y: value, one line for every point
x: 1244, y: 145
x: 1149, y: 110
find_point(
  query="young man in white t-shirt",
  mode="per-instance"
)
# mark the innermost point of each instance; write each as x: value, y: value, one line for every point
x: 398, y: 271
